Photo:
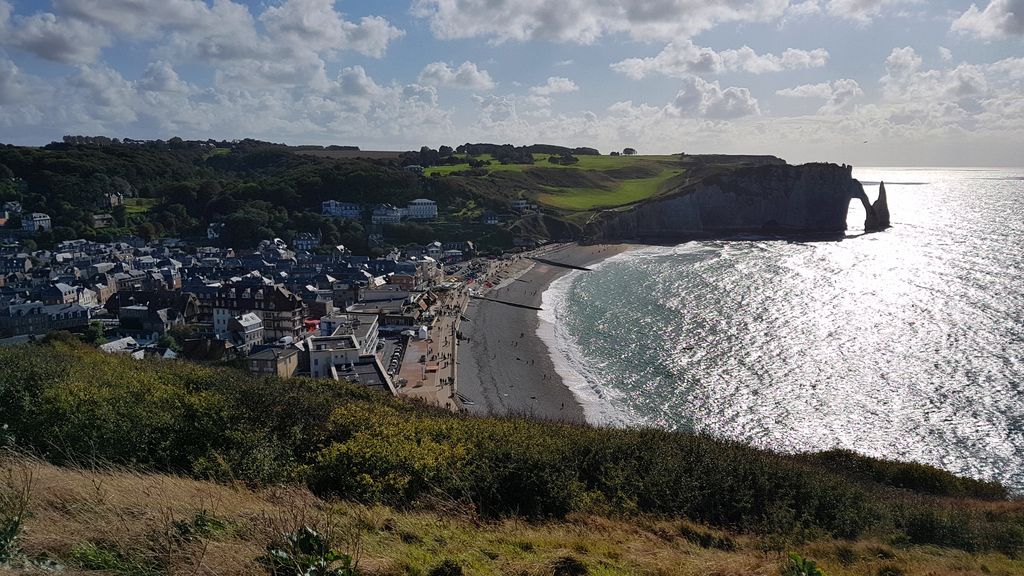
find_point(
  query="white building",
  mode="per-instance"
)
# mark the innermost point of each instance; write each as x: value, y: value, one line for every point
x: 126, y: 345
x: 245, y: 331
x: 35, y: 222
x: 363, y: 327
x: 214, y: 230
x: 306, y: 241
x: 387, y: 214
x: 342, y: 209
x: 422, y: 209
x: 327, y: 352
x: 435, y: 250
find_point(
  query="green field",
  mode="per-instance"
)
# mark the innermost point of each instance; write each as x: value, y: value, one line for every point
x: 605, y: 181
x: 139, y: 205
x: 628, y: 192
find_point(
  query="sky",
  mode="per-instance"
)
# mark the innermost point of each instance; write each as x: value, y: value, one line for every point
x: 864, y: 82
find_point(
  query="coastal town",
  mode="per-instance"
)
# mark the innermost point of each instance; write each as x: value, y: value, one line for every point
x: 391, y: 323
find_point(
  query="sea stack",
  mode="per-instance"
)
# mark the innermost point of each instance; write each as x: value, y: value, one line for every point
x: 881, y: 206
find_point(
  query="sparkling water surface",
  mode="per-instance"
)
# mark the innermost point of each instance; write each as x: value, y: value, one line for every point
x: 905, y: 344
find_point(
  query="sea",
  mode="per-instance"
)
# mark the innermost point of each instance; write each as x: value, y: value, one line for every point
x: 906, y: 344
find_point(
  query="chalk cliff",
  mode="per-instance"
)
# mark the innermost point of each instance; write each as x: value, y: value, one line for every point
x: 812, y: 199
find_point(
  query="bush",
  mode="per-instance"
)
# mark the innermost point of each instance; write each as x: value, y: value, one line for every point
x: 305, y: 552
x: 800, y: 566
x: 70, y: 402
x: 92, y: 556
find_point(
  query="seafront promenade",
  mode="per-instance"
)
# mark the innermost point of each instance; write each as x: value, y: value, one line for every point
x: 429, y: 372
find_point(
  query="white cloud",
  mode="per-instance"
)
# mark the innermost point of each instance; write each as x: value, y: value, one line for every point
x: 803, y: 9
x: 554, y: 85
x: 12, y: 84
x: 140, y: 18
x: 51, y: 37
x: 838, y: 94
x: 286, y: 45
x: 1010, y: 69
x: 1000, y: 19
x: 466, y: 76
x: 946, y: 54
x: 103, y: 94
x: 699, y: 97
x: 683, y: 58
x: 822, y: 90
x: 498, y: 115
x: 862, y: 11
x: 585, y: 21
x: 315, y: 25
x: 161, y: 77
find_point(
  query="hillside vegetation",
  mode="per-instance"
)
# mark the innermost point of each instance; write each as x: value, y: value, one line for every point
x: 71, y: 404
x: 89, y: 519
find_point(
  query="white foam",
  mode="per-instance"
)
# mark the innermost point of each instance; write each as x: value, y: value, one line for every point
x: 573, y: 367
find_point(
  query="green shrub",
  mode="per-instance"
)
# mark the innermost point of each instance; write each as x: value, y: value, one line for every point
x: 72, y: 403
x: 92, y: 556
x: 15, y: 494
x: 797, y: 565
x: 10, y: 528
x: 931, y: 525
x: 906, y: 475
x: 201, y: 525
x: 305, y: 552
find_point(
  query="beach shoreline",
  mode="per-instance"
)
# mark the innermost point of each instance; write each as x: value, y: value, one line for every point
x: 505, y: 368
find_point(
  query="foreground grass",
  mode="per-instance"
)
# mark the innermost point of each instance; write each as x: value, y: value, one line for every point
x: 90, y: 519
x: 70, y: 404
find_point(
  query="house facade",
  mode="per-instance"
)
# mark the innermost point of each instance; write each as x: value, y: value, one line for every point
x: 421, y: 209
x: 306, y: 241
x: 36, y: 222
x: 280, y: 310
x: 283, y: 363
x: 342, y: 209
x: 245, y: 331
x: 39, y: 318
x: 387, y: 214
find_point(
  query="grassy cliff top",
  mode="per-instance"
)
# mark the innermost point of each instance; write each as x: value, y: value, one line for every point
x: 592, y: 183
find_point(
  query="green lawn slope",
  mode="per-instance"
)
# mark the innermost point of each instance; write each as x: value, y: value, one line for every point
x: 594, y: 183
